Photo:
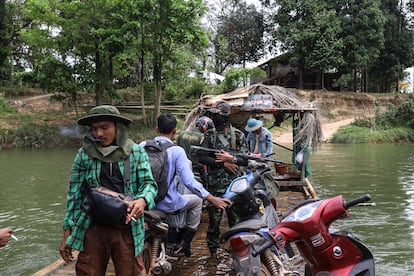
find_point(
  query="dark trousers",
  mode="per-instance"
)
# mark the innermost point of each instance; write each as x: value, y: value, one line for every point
x: 213, y: 230
x: 102, y: 242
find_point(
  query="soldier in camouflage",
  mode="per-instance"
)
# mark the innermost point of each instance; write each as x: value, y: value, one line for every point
x: 222, y: 168
x: 194, y: 137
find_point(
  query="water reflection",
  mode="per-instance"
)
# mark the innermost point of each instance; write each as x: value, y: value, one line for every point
x: 33, y: 185
x: 407, y: 182
x: 385, y: 172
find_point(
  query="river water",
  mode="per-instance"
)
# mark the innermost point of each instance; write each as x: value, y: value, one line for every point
x: 33, y: 188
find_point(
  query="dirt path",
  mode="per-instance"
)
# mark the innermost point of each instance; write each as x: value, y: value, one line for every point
x: 328, y: 129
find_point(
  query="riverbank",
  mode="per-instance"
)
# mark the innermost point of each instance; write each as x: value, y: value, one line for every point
x: 40, y: 121
x: 328, y: 129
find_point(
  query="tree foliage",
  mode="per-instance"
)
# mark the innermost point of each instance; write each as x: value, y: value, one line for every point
x: 397, y: 53
x: 175, y: 22
x: 238, y: 37
x: 94, y: 45
x: 363, y: 32
x: 5, y: 24
x: 99, y: 46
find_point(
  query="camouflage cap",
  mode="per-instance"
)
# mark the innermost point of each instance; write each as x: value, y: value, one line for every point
x: 221, y: 107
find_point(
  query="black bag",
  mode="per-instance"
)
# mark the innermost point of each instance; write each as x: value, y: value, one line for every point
x: 157, y: 155
x: 107, y: 206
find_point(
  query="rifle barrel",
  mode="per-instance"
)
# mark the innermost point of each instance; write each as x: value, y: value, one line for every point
x: 237, y: 153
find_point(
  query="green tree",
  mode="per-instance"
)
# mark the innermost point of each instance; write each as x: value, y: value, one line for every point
x: 239, y: 37
x: 235, y: 77
x: 5, y: 22
x: 86, y: 35
x: 57, y: 76
x: 325, y: 52
x: 174, y: 23
x: 296, y: 30
x: 363, y: 36
x: 397, y: 53
x: 13, y: 52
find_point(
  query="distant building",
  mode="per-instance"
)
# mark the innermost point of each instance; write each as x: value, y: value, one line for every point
x: 209, y: 77
x: 281, y: 72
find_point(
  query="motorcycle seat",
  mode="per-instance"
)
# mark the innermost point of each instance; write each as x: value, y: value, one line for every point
x: 155, y: 214
x: 244, y: 226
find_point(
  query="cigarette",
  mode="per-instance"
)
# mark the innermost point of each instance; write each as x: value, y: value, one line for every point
x: 14, y: 237
x: 134, y: 219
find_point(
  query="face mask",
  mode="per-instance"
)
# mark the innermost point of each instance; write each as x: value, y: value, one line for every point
x: 220, y: 121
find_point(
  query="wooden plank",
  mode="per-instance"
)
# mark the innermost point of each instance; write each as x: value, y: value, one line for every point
x: 287, y: 183
x: 59, y: 267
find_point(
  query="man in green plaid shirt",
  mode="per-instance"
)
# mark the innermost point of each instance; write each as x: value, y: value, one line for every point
x: 100, y: 162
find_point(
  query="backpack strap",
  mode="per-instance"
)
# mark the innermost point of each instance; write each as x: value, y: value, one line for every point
x: 233, y: 138
x: 165, y: 146
x: 127, y: 170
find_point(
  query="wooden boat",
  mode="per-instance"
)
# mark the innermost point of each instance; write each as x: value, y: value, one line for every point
x: 272, y: 102
x: 291, y: 192
x: 293, y: 189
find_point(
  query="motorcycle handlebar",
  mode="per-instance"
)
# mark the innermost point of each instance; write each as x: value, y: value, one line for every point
x: 257, y: 251
x: 356, y: 201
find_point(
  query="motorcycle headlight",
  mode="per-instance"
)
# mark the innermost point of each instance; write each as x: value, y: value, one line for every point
x: 239, y: 185
x: 304, y: 212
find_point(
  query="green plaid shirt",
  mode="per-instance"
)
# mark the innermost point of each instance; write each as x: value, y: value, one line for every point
x: 85, y: 173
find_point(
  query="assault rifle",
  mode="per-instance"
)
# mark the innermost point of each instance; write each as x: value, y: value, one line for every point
x: 207, y: 151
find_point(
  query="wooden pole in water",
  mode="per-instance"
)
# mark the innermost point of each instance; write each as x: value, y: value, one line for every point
x: 310, y: 187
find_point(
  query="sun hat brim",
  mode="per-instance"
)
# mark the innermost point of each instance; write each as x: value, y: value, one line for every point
x: 258, y: 124
x: 90, y: 119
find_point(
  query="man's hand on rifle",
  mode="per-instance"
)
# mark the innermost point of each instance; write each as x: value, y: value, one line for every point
x: 224, y: 157
x: 229, y: 161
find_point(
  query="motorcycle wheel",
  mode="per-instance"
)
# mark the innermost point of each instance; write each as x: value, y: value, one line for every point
x: 264, y: 271
x: 147, y: 258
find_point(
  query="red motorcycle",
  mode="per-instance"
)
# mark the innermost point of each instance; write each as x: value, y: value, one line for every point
x: 328, y: 252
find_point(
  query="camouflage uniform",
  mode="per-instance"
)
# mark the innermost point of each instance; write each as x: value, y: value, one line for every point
x: 188, y: 138
x: 218, y: 178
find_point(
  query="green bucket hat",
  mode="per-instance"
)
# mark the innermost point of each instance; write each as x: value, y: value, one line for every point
x: 103, y: 113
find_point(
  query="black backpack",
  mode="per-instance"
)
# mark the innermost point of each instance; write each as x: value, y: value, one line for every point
x: 157, y: 155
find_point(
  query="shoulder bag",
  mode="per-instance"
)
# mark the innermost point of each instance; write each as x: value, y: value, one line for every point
x: 107, y: 206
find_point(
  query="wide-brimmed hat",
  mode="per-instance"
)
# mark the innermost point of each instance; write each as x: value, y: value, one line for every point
x: 103, y: 113
x: 221, y: 107
x: 253, y: 124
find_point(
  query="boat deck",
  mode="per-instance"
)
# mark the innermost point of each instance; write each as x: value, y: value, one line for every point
x: 291, y: 192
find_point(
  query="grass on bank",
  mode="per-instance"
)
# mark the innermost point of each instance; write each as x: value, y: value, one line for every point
x: 395, y: 125
x: 359, y: 135
x: 53, y: 129
x: 32, y: 135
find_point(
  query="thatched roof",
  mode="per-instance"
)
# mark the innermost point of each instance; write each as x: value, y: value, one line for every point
x: 260, y: 99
